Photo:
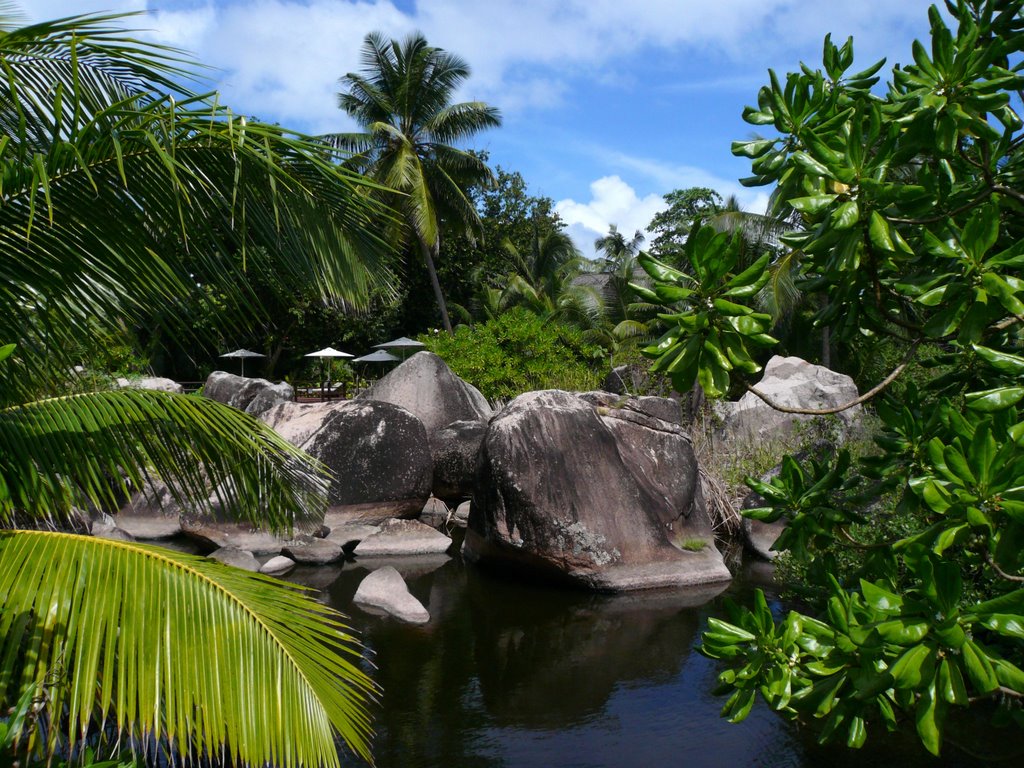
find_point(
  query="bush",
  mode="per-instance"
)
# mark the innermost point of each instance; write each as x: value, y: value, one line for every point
x: 518, y: 352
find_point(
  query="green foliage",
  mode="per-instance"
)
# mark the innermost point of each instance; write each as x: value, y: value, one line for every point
x: 114, y: 194
x: 910, y: 209
x: 518, y: 352
x: 687, y: 208
x: 708, y: 337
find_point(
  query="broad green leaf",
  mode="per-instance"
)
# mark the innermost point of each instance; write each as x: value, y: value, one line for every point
x: 979, y: 668
x: 998, y: 399
x: 1004, y: 362
x: 913, y: 667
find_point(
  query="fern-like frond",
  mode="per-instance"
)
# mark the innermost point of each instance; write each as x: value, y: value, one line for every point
x: 177, y: 650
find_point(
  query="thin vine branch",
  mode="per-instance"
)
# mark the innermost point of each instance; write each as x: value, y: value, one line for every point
x: 1002, y: 574
x: 846, y: 406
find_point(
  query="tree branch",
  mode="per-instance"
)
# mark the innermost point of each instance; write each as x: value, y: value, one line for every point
x: 846, y: 406
x: 1003, y: 574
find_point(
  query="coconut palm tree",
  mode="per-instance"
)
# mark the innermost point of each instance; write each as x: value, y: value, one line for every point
x: 402, y: 100
x: 541, y: 276
x: 117, y: 186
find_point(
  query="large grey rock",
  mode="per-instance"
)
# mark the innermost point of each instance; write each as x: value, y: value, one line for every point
x: 455, y: 448
x: 254, y: 396
x: 239, y: 558
x: 403, y: 537
x: 154, y: 383
x: 151, y: 513
x: 794, y: 383
x: 596, y: 491
x: 426, y: 387
x: 380, y: 460
x: 297, y: 422
x: 384, y: 590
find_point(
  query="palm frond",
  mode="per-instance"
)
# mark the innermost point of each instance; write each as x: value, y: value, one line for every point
x: 178, y: 650
x: 92, y: 448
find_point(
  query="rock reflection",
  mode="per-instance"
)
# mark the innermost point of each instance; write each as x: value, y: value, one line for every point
x: 553, y: 660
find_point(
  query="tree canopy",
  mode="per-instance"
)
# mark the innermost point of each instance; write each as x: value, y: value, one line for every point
x: 910, y: 200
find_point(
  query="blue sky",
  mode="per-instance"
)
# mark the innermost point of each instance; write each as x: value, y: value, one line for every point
x: 607, y: 104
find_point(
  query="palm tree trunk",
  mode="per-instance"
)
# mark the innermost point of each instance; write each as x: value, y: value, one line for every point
x: 428, y: 257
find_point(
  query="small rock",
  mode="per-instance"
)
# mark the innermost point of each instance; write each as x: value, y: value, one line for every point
x: 315, y: 552
x: 403, y: 537
x: 435, y: 513
x: 385, y: 590
x: 277, y: 565
x: 239, y: 558
x: 462, y: 513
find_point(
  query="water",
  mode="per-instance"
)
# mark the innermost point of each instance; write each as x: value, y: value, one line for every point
x: 513, y: 676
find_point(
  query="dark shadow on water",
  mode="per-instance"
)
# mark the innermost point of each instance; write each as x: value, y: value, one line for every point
x: 507, y: 675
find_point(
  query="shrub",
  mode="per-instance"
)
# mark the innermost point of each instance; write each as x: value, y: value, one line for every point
x: 518, y: 352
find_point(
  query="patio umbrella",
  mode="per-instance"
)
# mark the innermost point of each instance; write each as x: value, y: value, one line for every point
x: 242, y: 354
x: 402, y: 345
x: 380, y: 356
x: 323, y: 354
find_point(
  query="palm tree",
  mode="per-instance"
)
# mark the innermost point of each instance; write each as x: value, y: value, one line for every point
x: 402, y: 100
x: 542, y: 276
x: 117, y: 187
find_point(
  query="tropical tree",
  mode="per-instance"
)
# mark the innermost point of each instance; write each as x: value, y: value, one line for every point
x: 117, y: 186
x: 402, y: 100
x: 541, y: 277
x: 917, y: 607
x: 686, y: 208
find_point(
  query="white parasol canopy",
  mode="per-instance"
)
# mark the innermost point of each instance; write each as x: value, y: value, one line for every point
x: 323, y: 354
x: 242, y: 354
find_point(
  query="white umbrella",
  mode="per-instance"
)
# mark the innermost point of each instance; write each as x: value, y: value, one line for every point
x: 402, y: 345
x: 242, y: 354
x: 323, y: 354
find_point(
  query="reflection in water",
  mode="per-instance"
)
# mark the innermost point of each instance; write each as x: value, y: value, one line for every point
x: 511, y: 676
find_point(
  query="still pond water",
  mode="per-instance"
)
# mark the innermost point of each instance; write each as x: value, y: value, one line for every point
x: 508, y: 675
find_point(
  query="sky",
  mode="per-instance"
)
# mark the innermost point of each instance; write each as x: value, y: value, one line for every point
x: 607, y: 105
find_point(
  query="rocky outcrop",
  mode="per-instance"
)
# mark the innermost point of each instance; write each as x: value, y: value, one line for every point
x: 254, y: 396
x: 297, y: 422
x: 403, y: 537
x: 151, y: 513
x: 794, y: 383
x: 594, y: 490
x: 380, y: 460
x: 455, y: 449
x: 426, y: 387
x: 154, y: 383
x: 384, y: 591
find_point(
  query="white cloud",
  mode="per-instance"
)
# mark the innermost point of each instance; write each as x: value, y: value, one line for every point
x: 282, y: 58
x: 613, y: 201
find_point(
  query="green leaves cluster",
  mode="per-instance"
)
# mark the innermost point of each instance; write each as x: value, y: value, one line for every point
x: 710, y: 334
x: 877, y: 655
x: 518, y: 352
x: 910, y: 201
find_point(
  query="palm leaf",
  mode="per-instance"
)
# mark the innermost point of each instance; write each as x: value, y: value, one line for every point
x: 93, y: 448
x: 176, y: 649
